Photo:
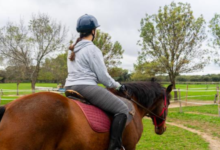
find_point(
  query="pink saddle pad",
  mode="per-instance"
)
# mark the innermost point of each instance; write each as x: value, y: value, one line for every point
x: 97, y: 119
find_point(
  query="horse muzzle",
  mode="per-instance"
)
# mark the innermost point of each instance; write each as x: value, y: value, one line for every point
x: 160, y: 130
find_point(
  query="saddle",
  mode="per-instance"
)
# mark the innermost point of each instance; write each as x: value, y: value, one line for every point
x: 98, y: 120
x: 76, y: 96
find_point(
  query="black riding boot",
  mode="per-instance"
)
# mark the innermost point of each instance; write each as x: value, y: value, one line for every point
x: 117, y: 128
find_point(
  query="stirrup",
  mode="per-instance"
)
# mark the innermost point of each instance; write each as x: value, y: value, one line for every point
x: 122, y: 147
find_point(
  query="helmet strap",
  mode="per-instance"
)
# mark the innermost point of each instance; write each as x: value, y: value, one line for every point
x: 93, y: 36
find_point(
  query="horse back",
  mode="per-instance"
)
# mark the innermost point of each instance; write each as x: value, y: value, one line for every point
x: 47, y: 121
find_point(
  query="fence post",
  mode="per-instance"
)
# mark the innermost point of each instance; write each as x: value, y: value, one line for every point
x: 207, y: 87
x: 1, y: 92
x: 186, y: 93
x: 180, y: 101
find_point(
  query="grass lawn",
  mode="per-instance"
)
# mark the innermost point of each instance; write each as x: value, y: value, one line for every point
x: 204, y: 123
x: 208, y: 109
x: 7, y: 99
x: 173, y: 139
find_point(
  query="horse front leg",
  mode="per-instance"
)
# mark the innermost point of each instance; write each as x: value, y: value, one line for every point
x: 132, y: 134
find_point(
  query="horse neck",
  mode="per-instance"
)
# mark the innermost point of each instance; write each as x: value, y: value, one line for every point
x: 137, y: 125
x: 139, y: 115
x: 141, y: 112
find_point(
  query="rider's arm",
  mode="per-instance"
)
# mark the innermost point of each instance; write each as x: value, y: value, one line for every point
x: 97, y: 65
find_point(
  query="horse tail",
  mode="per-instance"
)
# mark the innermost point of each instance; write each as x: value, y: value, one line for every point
x: 2, y: 111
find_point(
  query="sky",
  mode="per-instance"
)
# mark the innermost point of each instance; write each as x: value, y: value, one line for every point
x: 119, y: 18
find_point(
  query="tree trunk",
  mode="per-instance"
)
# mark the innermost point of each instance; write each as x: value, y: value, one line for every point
x: 18, y: 88
x: 33, y: 82
x: 34, y: 77
x: 173, y: 82
x: 174, y: 87
x: 63, y: 83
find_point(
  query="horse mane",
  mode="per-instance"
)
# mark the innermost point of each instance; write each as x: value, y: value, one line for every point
x: 146, y: 92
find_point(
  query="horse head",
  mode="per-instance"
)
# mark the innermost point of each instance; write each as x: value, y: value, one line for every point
x: 152, y: 100
x: 159, y: 111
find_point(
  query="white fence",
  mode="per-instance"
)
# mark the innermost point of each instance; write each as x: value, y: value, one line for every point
x: 216, y: 97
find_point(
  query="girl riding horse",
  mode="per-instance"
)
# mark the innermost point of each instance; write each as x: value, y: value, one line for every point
x: 86, y: 68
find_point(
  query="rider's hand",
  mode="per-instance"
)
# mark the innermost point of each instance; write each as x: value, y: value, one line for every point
x: 121, y: 88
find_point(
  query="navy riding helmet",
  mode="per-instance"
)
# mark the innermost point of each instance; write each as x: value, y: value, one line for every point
x: 86, y: 23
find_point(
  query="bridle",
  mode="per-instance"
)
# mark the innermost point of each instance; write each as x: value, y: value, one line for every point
x: 149, y: 112
x: 162, y: 113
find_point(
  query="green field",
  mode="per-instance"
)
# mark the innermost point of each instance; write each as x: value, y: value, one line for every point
x: 173, y: 139
x: 197, y: 91
x: 9, y: 90
x: 206, y: 109
x: 205, y: 123
x: 201, y: 92
x: 24, y: 88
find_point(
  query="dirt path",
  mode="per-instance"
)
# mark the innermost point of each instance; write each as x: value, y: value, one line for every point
x: 214, y: 143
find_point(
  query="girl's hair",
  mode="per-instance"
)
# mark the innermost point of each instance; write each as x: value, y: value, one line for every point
x: 83, y: 34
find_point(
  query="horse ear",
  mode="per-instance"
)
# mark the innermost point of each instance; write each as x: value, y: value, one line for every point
x: 169, y: 88
x: 153, y: 79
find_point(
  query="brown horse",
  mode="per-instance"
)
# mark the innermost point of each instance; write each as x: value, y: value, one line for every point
x: 50, y: 121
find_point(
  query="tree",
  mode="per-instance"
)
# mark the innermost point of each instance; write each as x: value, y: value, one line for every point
x: 119, y: 74
x: 55, y: 69
x: 214, y: 26
x: 173, y: 38
x: 15, y: 44
x: 46, y: 71
x: 31, y: 45
x: 2, y: 72
x: 47, y: 36
x: 144, y: 69
x: 2, y: 76
x: 1, y: 60
x: 112, y: 52
x: 16, y: 73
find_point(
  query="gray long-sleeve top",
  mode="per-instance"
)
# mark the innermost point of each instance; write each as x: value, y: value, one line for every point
x: 88, y: 68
